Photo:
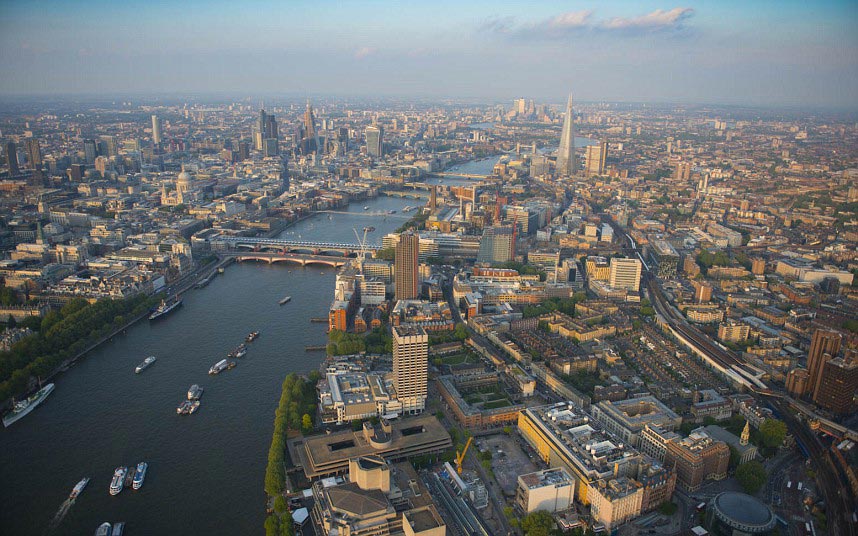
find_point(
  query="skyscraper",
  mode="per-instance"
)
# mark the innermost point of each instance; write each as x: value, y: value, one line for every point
x: 625, y: 273
x: 405, y: 267
x: 823, y: 343
x: 838, y: 382
x: 410, y: 366
x: 596, y: 156
x: 566, y: 164
x: 309, y: 136
x: 12, y: 157
x: 497, y: 245
x: 374, y: 141
x: 90, y: 151
x: 156, y: 130
x: 260, y: 129
x: 34, y: 153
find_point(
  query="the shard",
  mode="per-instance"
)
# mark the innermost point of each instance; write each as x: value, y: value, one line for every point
x: 566, y: 164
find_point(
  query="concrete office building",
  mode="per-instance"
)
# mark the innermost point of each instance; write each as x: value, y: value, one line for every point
x: 824, y: 345
x: 156, y: 130
x: 697, y: 458
x: 564, y: 436
x: 497, y: 245
x: 375, y: 141
x: 410, y: 366
x: 838, y: 384
x: 552, y: 490
x: 406, y: 280
x: 626, y: 419
x: 625, y: 273
x: 615, y: 501
x: 595, y: 158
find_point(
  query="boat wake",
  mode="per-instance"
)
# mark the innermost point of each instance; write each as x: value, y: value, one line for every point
x: 60, y: 515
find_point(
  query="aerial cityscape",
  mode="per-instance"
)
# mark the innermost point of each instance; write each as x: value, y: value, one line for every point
x: 555, y: 268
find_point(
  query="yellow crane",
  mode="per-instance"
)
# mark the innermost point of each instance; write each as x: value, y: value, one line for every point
x: 461, y: 457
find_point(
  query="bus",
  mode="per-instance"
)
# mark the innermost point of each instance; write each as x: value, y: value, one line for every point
x: 701, y: 507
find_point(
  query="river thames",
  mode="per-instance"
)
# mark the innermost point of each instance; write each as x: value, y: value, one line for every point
x: 206, y: 470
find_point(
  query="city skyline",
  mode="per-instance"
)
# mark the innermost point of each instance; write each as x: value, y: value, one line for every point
x: 775, y: 54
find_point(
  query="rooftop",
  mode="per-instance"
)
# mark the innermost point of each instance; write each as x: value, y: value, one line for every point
x: 744, y: 509
x: 546, y: 477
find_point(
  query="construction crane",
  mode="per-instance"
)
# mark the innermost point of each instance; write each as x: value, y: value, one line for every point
x: 362, y: 243
x: 461, y: 457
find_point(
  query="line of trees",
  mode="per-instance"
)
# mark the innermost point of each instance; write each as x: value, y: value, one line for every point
x: 62, y: 334
x: 294, y: 412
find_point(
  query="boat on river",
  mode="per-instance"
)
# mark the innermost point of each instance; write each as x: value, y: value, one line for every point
x: 145, y: 364
x: 165, y: 309
x: 118, y: 481
x: 78, y: 488
x: 24, y: 407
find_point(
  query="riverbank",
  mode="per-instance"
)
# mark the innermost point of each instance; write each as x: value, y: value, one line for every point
x: 183, y: 286
x: 65, y: 336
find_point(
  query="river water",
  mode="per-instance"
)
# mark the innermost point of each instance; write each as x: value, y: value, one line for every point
x: 206, y: 470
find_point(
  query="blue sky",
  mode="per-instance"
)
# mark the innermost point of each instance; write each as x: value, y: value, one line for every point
x: 736, y: 52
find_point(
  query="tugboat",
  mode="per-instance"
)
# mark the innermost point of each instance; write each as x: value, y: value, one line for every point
x: 139, y: 475
x: 22, y: 408
x: 78, y: 488
x: 118, y: 481
x: 164, y: 309
x: 252, y: 336
x: 145, y: 364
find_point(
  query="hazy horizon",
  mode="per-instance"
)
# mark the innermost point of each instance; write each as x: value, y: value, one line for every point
x: 767, y: 54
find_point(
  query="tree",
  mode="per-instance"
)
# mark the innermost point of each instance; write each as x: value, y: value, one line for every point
x: 307, y: 422
x: 280, y: 504
x: 667, y: 508
x: 751, y: 475
x: 537, y: 523
x: 387, y: 254
x: 272, y: 526
x: 773, y: 432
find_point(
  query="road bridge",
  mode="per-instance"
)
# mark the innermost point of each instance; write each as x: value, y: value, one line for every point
x: 462, y: 175
x: 368, y: 213
x: 292, y: 258
x: 283, y: 245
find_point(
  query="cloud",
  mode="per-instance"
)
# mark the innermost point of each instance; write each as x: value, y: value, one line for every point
x: 657, y: 20
x: 499, y: 25
x: 566, y: 24
x: 569, y: 20
x: 363, y: 52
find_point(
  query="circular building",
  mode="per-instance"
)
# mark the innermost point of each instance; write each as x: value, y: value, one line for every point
x: 183, y: 182
x: 732, y: 512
